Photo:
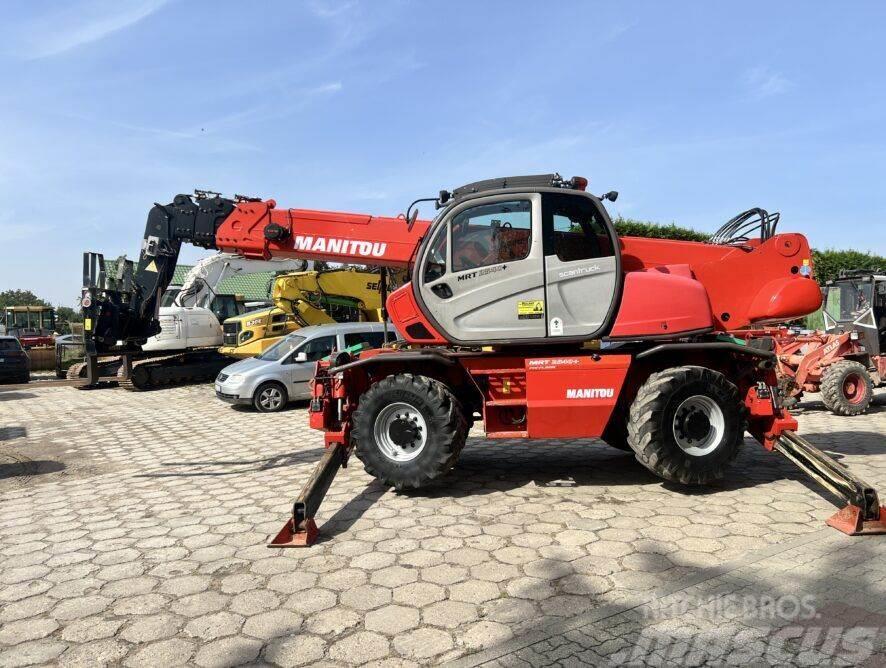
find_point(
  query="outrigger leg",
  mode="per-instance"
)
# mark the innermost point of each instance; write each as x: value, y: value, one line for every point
x: 863, y: 513
x: 301, y: 530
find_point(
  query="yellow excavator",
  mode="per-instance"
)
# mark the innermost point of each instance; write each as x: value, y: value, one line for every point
x: 304, y: 298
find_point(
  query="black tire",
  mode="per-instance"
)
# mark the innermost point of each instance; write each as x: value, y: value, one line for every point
x: 270, y: 397
x: 444, y: 432
x: 847, y: 388
x: 654, y: 424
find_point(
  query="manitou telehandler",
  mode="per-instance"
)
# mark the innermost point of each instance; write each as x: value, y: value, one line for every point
x: 513, y: 286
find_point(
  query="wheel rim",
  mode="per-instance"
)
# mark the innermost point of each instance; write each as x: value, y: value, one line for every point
x: 699, y: 425
x: 400, y: 432
x: 270, y: 398
x: 854, y: 388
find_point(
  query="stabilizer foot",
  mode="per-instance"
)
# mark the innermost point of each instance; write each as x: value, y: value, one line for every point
x: 302, y: 536
x: 850, y: 520
x: 301, y: 530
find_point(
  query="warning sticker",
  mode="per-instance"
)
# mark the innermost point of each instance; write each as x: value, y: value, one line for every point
x: 532, y: 309
x: 87, y: 324
x: 151, y: 267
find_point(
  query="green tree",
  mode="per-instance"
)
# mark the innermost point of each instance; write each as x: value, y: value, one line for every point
x: 20, y: 298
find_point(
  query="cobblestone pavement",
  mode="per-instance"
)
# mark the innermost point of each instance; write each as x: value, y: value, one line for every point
x: 133, y: 530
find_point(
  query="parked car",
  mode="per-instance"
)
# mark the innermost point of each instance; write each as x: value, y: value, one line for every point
x: 15, y: 365
x: 282, y: 372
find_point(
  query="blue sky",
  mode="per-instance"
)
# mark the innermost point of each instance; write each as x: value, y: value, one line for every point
x: 693, y: 111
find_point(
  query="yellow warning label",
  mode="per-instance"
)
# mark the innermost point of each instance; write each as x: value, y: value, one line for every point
x: 151, y: 267
x: 531, y: 309
x: 87, y: 324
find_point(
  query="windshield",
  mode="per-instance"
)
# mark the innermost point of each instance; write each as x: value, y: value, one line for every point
x: 169, y: 296
x: 847, y: 300
x: 7, y: 345
x: 280, y: 350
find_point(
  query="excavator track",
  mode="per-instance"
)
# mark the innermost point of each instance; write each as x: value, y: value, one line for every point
x: 106, y: 370
x: 193, y: 366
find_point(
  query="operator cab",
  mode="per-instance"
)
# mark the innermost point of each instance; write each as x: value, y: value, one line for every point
x: 520, y: 259
x: 857, y: 301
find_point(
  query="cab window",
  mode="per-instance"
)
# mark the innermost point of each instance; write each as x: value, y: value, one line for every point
x: 225, y: 306
x: 435, y: 264
x: 491, y: 234
x: 577, y: 231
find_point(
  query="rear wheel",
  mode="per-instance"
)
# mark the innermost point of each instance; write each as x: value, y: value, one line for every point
x: 686, y: 424
x: 847, y: 388
x: 269, y: 398
x: 408, y: 430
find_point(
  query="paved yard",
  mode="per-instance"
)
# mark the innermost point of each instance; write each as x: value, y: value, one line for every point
x: 133, y: 530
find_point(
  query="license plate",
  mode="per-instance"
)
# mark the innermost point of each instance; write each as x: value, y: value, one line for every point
x: 217, y: 387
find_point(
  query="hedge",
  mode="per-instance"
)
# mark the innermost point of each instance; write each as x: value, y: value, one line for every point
x: 828, y: 263
x: 627, y: 227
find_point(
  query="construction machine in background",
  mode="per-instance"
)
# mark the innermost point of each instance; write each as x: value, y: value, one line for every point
x: 329, y: 295
x: 185, y: 349
x: 847, y: 360
x: 33, y: 326
x: 513, y: 285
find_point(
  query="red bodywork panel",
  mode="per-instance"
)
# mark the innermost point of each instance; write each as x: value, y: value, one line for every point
x: 764, y: 283
x: 662, y: 301
x: 573, y: 397
x: 410, y: 321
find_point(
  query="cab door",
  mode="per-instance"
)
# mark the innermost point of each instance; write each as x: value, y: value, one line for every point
x: 481, y: 275
x: 582, y: 267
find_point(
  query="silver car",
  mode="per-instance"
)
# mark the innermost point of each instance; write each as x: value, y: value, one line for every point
x: 282, y: 373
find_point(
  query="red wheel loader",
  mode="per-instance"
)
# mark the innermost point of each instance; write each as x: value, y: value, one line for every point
x: 847, y: 360
x: 525, y: 310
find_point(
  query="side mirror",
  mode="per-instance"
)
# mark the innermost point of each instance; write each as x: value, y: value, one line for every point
x: 413, y: 216
x: 301, y: 357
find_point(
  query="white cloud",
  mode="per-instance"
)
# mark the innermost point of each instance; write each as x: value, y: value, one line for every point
x: 764, y: 82
x: 325, y: 10
x: 79, y: 24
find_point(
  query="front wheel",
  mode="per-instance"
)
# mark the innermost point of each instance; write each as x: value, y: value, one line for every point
x: 408, y: 430
x: 686, y: 424
x: 847, y: 388
x: 269, y: 398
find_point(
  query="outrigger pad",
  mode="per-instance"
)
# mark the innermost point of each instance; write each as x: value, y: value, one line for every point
x: 303, y: 536
x: 850, y: 521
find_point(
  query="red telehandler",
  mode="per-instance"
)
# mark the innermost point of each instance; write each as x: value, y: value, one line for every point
x: 525, y: 310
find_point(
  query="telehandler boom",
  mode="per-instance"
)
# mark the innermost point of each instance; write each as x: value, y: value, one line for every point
x: 511, y: 285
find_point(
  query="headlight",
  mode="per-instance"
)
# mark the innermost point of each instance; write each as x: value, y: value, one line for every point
x: 245, y: 336
x: 235, y: 378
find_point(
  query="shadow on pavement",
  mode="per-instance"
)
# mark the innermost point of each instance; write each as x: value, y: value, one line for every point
x: 29, y: 467
x: 9, y: 433
x: 352, y: 511
x: 236, y: 466
x: 12, y: 395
